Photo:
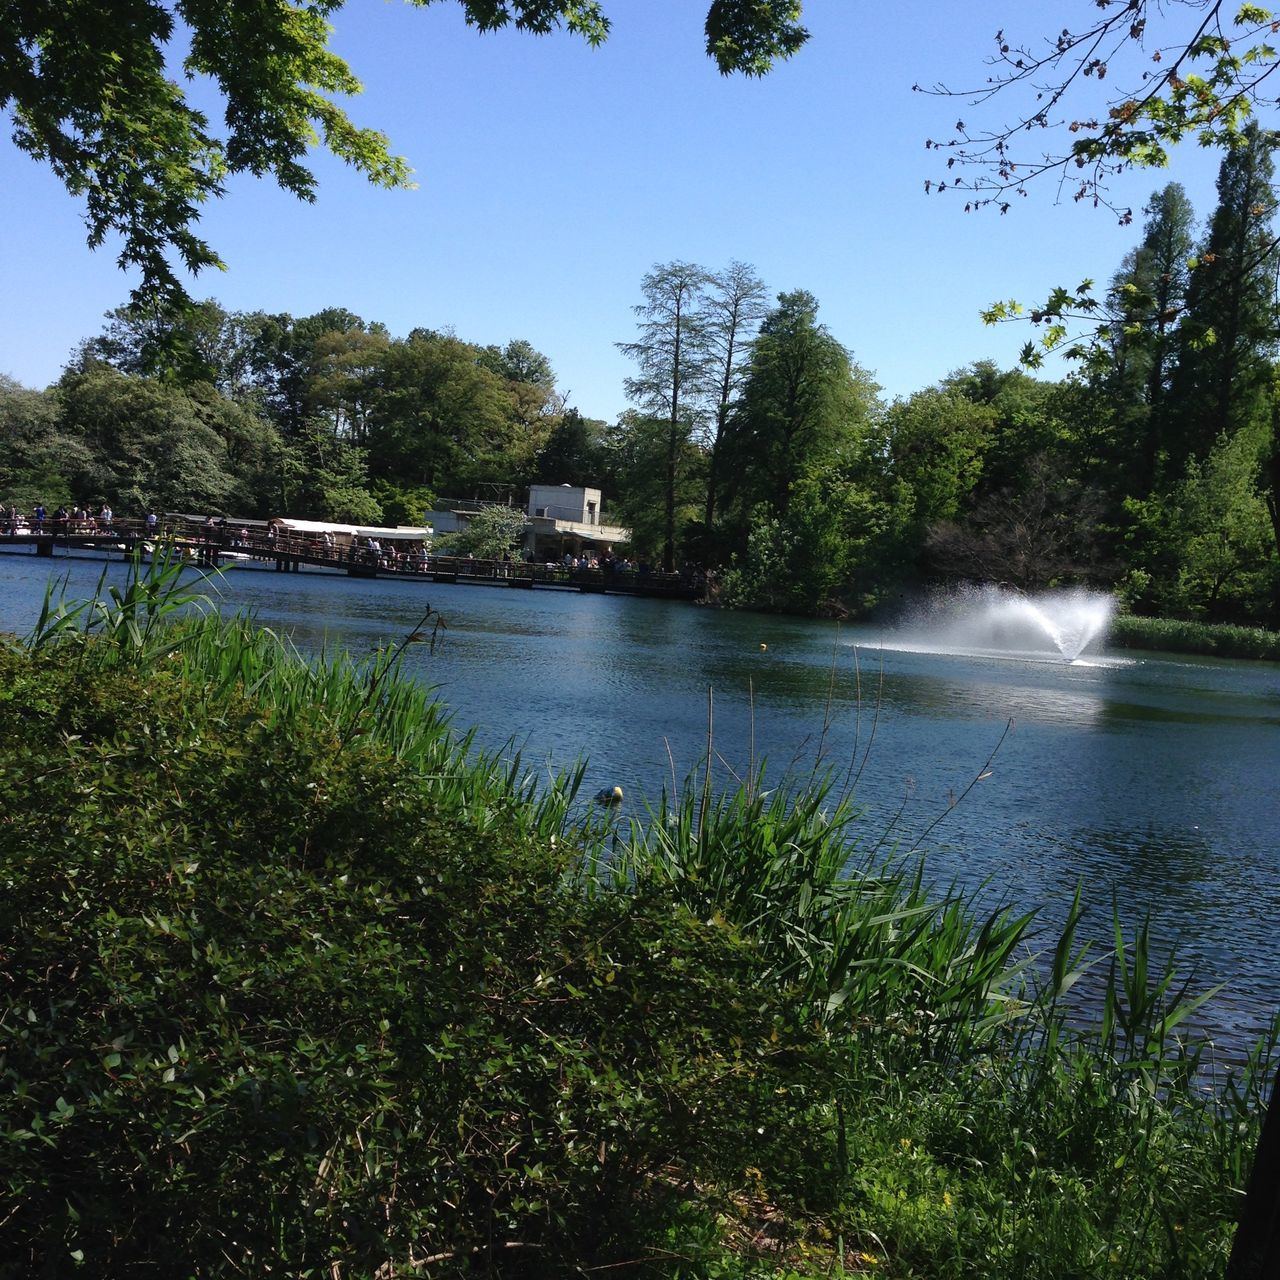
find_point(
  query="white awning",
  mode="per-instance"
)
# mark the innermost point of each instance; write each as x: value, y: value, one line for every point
x: 413, y: 533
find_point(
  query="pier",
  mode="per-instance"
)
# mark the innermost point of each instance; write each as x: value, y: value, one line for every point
x: 223, y: 547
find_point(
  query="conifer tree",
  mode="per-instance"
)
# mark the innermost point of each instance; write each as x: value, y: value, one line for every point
x: 1228, y: 337
x: 1146, y: 301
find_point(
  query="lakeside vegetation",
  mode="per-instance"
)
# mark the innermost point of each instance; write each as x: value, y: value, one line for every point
x: 1171, y: 635
x: 299, y: 979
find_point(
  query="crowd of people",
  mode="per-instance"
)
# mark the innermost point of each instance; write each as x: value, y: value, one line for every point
x: 74, y: 519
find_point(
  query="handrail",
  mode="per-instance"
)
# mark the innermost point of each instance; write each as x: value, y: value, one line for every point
x: 405, y: 557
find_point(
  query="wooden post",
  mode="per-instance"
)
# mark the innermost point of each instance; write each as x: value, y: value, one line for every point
x: 1255, y: 1254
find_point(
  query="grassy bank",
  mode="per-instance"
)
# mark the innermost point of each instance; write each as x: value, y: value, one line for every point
x: 300, y: 983
x: 1170, y: 635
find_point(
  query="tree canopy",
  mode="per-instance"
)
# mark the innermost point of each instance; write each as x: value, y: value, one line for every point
x: 96, y: 91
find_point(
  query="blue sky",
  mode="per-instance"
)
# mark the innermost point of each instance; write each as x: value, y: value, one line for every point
x: 552, y: 176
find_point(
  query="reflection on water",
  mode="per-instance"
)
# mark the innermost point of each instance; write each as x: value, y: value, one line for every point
x: 1153, y: 782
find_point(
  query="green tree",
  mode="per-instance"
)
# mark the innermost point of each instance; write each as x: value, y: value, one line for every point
x: 282, y: 360
x: 35, y: 457
x: 440, y: 419
x: 576, y: 452
x: 1145, y: 307
x: 804, y: 404
x: 640, y: 446
x: 822, y: 557
x: 326, y: 477
x: 535, y: 404
x: 934, y: 443
x: 492, y: 533
x: 671, y: 352
x: 93, y: 92
x: 200, y: 344
x: 345, y: 376
x: 1228, y: 336
x: 1206, y: 549
x: 733, y: 306
x: 144, y: 444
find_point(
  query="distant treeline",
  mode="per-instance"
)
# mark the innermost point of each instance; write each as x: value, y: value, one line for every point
x: 757, y: 447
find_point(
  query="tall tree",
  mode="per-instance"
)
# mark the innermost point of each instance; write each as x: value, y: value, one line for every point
x: 147, y: 445
x: 282, y: 357
x: 344, y: 375
x: 575, y: 452
x: 803, y: 401
x: 35, y: 457
x: 1228, y: 337
x: 671, y: 352
x: 732, y: 308
x: 440, y: 418
x: 639, y: 446
x: 1145, y: 305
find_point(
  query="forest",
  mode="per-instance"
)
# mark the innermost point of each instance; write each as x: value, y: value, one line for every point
x: 756, y: 445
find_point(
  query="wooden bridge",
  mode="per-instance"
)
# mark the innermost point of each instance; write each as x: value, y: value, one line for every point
x: 222, y: 546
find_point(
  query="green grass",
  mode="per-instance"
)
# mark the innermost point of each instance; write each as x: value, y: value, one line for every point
x: 299, y: 980
x: 1171, y: 635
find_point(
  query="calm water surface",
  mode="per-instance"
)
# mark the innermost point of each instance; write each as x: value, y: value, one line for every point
x: 1154, y: 781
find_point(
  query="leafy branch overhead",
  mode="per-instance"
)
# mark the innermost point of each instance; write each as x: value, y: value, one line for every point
x: 1117, y: 92
x: 96, y: 91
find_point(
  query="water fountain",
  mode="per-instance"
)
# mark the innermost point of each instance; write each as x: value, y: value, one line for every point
x: 990, y: 620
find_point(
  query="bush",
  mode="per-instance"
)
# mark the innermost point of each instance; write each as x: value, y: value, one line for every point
x: 269, y: 1008
x: 1172, y: 635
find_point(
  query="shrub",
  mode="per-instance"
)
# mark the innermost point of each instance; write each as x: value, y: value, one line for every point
x: 269, y: 1008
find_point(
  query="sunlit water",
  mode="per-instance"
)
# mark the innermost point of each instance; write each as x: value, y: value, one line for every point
x: 1153, y: 781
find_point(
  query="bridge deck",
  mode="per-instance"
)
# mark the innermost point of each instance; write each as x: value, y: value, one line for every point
x: 285, y: 554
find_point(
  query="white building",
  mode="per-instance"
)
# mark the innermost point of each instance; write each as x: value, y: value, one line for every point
x: 566, y: 519
x: 562, y: 520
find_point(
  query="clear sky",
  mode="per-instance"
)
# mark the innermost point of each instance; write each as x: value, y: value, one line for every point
x: 553, y: 176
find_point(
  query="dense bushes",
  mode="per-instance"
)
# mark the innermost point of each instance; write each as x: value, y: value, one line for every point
x: 268, y: 1007
x: 295, y: 984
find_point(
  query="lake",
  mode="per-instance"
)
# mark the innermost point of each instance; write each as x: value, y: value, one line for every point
x: 1154, y: 781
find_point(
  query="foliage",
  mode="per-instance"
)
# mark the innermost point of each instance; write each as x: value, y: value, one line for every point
x: 1174, y: 635
x: 733, y: 306
x: 327, y: 476
x: 576, y: 452
x: 34, y: 455
x: 1118, y: 91
x: 804, y: 407
x: 299, y: 981
x: 670, y: 352
x: 146, y: 445
x: 100, y: 99
x: 641, y: 447
x: 493, y: 532
x: 1227, y: 336
x: 817, y: 558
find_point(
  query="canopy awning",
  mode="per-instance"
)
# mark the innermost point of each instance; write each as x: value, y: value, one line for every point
x: 411, y: 533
